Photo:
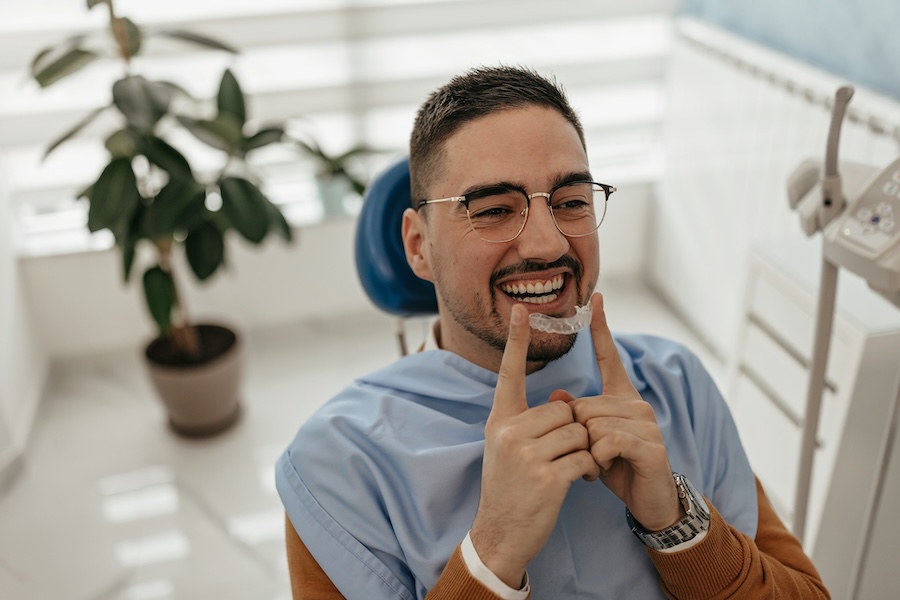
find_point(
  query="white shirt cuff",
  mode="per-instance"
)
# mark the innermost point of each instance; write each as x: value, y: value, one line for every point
x: 487, y: 578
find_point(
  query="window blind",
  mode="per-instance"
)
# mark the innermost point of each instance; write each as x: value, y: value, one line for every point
x: 346, y: 72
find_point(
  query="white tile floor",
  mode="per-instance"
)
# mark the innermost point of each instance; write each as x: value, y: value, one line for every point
x: 110, y: 505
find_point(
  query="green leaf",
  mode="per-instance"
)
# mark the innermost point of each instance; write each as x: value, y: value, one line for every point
x: 263, y: 137
x: 41, y: 58
x: 114, y: 196
x: 122, y: 143
x: 74, y: 130
x: 159, y: 292
x: 245, y: 207
x: 129, y: 241
x: 133, y: 36
x: 205, y: 249
x: 180, y: 205
x: 277, y: 219
x: 223, y: 132
x: 129, y: 246
x: 142, y: 103
x: 230, y: 100
x: 53, y: 69
x: 166, y: 157
x: 173, y: 89
x: 200, y: 40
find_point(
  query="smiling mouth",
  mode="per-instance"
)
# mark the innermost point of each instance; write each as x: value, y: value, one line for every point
x: 536, y: 291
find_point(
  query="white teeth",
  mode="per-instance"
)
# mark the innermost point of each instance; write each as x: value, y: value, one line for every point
x: 539, y: 299
x: 540, y: 287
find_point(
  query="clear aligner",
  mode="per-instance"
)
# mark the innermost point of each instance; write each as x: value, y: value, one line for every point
x: 568, y: 325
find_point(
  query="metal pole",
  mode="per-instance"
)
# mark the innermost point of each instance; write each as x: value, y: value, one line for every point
x: 824, y: 320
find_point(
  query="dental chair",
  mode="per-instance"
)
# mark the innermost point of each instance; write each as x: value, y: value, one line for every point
x: 380, y: 259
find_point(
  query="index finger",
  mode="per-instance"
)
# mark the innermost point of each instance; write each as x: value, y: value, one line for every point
x: 612, y: 371
x: 509, y: 397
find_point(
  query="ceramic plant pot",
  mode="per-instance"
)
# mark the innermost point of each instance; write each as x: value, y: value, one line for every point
x: 202, y: 397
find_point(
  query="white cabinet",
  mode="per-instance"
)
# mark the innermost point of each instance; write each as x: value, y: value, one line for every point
x: 770, y: 371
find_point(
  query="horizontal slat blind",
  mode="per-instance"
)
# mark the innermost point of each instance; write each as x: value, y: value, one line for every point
x: 347, y: 72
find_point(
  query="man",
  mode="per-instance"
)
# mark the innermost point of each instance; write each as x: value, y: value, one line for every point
x: 508, y: 461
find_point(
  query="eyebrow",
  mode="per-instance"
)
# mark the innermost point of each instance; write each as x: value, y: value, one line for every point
x: 478, y: 190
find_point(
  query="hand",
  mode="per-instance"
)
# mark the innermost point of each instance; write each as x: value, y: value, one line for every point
x: 531, y: 457
x: 625, y: 439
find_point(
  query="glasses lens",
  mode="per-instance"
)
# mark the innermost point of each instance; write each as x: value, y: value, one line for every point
x: 498, y: 217
x: 578, y: 208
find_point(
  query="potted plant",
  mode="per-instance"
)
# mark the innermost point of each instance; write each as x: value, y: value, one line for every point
x: 163, y: 211
x: 336, y: 180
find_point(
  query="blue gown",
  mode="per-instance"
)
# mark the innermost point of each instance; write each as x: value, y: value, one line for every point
x: 383, y: 482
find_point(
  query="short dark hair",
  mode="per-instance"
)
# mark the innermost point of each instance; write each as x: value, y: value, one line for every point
x: 477, y: 93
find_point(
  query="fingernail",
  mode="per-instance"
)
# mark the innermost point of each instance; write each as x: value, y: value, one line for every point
x: 515, y: 317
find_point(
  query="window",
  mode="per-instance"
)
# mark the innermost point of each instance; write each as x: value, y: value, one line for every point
x: 347, y: 71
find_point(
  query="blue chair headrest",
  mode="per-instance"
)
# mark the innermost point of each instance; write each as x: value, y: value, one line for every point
x: 380, y: 259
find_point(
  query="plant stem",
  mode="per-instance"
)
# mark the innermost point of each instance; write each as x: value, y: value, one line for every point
x: 183, y: 333
x: 117, y: 26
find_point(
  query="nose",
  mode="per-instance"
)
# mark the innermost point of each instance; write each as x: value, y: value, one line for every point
x: 540, y: 239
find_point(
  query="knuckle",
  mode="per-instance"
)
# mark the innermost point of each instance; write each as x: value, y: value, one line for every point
x: 575, y: 432
x: 562, y: 410
x: 578, y: 408
x: 503, y: 435
x: 645, y: 411
x: 545, y: 476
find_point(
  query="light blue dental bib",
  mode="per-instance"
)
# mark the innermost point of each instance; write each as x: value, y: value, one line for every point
x: 382, y: 483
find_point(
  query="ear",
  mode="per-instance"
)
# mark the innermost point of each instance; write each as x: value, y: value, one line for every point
x: 414, y: 243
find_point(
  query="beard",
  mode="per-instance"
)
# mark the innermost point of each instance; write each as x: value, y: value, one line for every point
x: 494, y: 331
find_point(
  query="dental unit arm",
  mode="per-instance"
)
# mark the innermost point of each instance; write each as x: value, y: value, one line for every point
x: 861, y: 233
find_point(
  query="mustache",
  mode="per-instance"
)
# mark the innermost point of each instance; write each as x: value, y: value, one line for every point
x: 532, y: 266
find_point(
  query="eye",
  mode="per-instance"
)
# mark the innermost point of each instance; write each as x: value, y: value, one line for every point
x: 496, y: 207
x: 573, y: 201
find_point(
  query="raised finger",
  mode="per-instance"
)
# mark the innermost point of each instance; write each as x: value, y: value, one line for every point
x: 509, y: 396
x: 615, y: 377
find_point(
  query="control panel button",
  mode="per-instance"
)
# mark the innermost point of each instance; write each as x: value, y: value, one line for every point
x: 886, y: 225
x: 871, y: 237
x: 896, y: 176
x: 890, y: 188
x: 883, y: 209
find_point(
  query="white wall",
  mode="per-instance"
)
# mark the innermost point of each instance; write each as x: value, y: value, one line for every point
x: 731, y: 140
x: 23, y: 363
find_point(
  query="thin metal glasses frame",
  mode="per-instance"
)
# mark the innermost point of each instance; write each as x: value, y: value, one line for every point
x: 464, y: 200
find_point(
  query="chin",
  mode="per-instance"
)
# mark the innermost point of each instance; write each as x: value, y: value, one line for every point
x: 547, y: 347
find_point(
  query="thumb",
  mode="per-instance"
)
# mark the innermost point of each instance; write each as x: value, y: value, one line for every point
x: 561, y: 396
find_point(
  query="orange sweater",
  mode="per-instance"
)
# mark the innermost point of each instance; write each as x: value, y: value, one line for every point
x: 725, y: 564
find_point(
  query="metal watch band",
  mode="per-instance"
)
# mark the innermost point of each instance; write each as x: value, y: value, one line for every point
x: 695, y: 520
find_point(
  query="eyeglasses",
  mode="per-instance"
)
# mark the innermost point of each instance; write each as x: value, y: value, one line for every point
x: 498, y: 213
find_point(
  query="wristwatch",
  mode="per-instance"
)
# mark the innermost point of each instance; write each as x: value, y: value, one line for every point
x: 696, y: 519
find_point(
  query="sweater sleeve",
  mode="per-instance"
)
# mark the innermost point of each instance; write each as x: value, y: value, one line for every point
x: 309, y: 581
x: 729, y: 564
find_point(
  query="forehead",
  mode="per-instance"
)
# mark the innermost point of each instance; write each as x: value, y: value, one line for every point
x: 531, y: 146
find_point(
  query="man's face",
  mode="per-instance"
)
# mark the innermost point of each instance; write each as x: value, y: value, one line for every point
x: 478, y: 282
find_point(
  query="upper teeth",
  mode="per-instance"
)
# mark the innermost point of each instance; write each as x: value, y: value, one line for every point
x: 533, y: 287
